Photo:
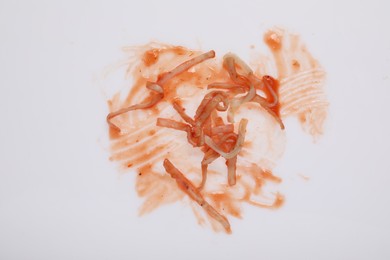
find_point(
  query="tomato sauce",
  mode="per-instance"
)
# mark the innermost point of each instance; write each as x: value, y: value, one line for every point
x: 293, y: 89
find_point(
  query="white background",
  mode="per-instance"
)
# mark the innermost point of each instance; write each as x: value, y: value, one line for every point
x: 60, y: 197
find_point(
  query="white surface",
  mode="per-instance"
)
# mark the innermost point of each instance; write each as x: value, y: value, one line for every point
x: 60, y: 197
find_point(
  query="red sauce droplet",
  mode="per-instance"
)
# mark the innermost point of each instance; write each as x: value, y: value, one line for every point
x: 150, y: 57
x: 273, y: 40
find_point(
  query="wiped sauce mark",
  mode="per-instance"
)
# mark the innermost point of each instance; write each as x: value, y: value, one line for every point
x: 142, y: 146
x: 304, y: 177
x: 158, y: 189
x: 301, y: 80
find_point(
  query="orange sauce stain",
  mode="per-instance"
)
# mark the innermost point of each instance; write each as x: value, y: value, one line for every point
x: 142, y: 146
x: 273, y: 40
x: 150, y: 57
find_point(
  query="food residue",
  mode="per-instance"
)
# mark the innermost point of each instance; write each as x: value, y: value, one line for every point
x: 210, y: 130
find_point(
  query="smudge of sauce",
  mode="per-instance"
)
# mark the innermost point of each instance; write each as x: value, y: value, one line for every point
x: 301, y: 80
x: 150, y: 57
x: 304, y: 177
x: 142, y: 146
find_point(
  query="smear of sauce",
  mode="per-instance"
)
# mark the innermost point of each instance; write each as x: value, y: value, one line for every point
x: 168, y: 166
